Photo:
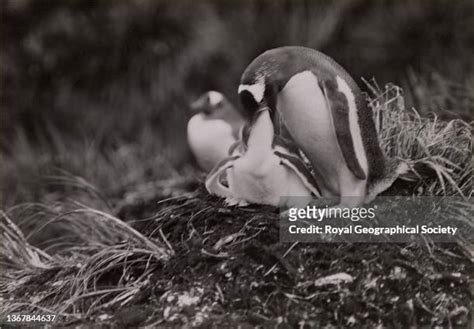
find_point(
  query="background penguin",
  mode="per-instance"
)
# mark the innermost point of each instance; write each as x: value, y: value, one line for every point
x: 315, y: 101
x: 213, y: 129
x: 262, y: 169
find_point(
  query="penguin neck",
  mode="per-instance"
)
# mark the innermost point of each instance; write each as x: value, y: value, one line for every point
x: 261, y: 137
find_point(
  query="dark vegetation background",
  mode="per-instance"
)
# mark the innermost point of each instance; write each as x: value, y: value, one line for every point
x: 99, y: 89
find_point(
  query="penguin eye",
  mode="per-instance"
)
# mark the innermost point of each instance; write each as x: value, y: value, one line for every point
x: 248, y: 102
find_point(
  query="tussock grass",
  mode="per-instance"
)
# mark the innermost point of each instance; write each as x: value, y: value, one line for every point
x: 438, y: 152
x: 17, y: 252
x: 70, y: 280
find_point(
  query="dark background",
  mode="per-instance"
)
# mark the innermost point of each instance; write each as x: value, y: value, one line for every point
x: 99, y: 89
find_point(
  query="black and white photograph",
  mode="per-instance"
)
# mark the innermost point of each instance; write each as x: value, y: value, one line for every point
x: 236, y: 163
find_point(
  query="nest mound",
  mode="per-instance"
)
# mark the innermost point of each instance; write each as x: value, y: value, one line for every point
x: 196, y: 262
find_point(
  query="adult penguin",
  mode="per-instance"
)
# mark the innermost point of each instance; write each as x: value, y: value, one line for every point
x: 320, y: 106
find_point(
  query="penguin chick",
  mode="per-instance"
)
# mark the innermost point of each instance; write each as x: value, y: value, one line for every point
x: 213, y: 129
x: 263, y: 169
x: 323, y: 111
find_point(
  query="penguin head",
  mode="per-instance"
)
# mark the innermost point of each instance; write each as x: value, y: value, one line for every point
x: 268, y: 74
x: 213, y: 105
x: 260, y: 84
x: 256, y: 93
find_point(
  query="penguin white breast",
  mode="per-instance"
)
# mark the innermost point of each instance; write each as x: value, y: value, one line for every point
x: 209, y: 140
x: 304, y: 110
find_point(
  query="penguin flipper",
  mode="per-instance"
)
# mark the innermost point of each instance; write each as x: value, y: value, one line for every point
x: 298, y: 167
x: 337, y: 102
x: 213, y: 185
